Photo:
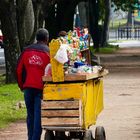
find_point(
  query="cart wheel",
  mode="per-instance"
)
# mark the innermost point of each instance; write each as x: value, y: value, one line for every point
x: 88, y: 135
x: 60, y: 135
x: 76, y: 135
x: 49, y: 135
x: 100, y: 133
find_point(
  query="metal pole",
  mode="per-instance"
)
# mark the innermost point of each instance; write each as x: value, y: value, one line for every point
x: 132, y: 25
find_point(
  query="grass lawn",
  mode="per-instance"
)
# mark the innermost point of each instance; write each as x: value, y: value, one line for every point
x: 105, y: 50
x: 116, y: 23
x: 109, y: 49
x: 10, y: 95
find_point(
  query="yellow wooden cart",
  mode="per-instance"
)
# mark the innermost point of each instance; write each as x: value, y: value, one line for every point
x: 71, y: 102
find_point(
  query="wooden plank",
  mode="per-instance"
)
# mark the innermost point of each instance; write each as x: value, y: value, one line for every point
x: 60, y: 113
x: 56, y: 67
x: 96, y: 75
x: 61, y: 121
x: 68, y: 77
x: 86, y: 54
x: 60, y: 104
x: 80, y: 112
x: 78, y: 77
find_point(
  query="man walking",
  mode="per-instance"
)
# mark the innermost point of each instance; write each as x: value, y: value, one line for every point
x: 30, y: 69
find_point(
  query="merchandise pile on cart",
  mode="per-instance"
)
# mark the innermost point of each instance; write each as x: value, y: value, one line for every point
x: 74, y: 53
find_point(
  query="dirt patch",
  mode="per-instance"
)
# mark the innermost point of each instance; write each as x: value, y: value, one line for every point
x: 15, y: 131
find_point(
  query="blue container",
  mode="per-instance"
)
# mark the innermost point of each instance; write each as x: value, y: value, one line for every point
x: 78, y: 63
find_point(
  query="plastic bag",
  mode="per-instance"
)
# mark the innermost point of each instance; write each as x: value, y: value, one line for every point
x: 61, y: 55
x: 48, y: 70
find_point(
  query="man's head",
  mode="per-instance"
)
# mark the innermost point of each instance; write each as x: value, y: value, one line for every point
x: 42, y: 35
x: 62, y: 34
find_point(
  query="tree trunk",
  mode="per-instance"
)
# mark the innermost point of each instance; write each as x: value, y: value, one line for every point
x: 93, y: 22
x: 82, y: 6
x: 37, y: 17
x: 57, y: 19
x: 26, y: 21
x: 17, y: 21
x: 105, y: 32
x: 11, y: 40
x: 50, y: 21
x: 129, y: 18
x: 66, y: 22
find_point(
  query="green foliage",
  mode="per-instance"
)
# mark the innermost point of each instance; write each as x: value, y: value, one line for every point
x: 10, y: 95
x: 2, y: 79
x: 125, y: 5
x: 102, y: 10
x: 116, y: 23
x: 109, y: 49
x: 137, y: 19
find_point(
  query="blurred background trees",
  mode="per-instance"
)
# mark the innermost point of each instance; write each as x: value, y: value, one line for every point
x: 21, y: 18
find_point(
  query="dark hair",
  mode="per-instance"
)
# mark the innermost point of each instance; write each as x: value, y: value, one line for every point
x: 42, y: 34
x: 62, y: 33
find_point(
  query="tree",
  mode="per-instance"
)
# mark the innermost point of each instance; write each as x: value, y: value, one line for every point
x: 106, y: 19
x: 11, y: 40
x: 93, y: 22
x: 83, y: 12
x: 18, y: 23
x: 57, y: 18
x: 97, y: 11
x: 125, y: 5
x: 25, y: 21
x: 20, y: 20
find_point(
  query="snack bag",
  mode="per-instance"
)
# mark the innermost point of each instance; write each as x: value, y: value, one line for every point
x: 61, y: 55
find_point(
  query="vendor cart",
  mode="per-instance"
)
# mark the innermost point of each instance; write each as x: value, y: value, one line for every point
x: 71, y: 103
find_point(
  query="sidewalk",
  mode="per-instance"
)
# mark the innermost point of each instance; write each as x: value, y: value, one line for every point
x: 125, y: 58
x: 127, y: 43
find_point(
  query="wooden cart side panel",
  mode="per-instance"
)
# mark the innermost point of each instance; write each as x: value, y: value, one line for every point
x: 67, y: 114
x: 63, y: 91
x: 60, y: 113
x: 57, y: 68
x: 60, y: 121
x: 61, y: 104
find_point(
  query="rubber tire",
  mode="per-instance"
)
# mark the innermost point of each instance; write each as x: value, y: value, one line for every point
x: 100, y: 133
x: 49, y: 135
x: 88, y: 135
x: 60, y: 135
x: 75, y: 135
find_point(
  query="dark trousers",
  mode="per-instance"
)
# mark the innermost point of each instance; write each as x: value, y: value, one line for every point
x: 32, y: 98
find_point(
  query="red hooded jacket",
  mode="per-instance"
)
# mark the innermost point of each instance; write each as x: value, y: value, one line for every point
x: 31, y: 65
